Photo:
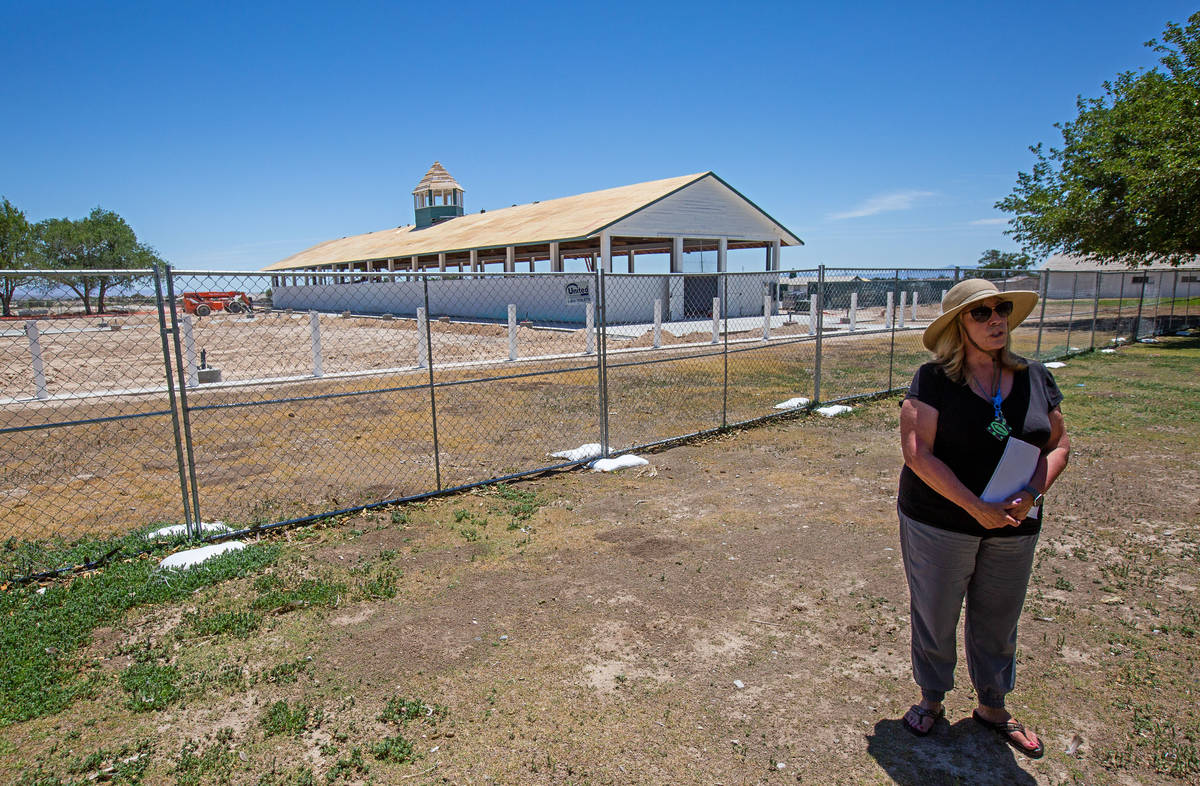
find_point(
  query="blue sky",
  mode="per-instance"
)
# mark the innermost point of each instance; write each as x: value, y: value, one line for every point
x: 232, y: 136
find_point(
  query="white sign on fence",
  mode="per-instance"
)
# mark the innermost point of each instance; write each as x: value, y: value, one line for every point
x: 578, y: 293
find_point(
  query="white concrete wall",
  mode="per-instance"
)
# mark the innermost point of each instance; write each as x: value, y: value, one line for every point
x: 541, y: 297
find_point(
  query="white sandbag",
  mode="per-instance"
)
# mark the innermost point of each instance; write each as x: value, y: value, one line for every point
x: 834, y: 410
x: 182, y: 560
x: 620, y: 462
x: 581, y: 453
x: 793, y: 403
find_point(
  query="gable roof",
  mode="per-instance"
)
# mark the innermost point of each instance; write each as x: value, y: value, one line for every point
x: 565, y: 219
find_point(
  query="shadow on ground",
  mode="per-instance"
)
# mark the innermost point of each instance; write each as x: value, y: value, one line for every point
x: 952, y: 754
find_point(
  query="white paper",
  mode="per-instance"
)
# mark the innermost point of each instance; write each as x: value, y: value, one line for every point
x: 1013, y: 473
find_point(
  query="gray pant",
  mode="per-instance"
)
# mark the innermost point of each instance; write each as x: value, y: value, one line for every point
x: 992, y: 573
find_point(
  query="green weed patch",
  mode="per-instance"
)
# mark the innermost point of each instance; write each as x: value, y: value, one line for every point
x: 41, y: 628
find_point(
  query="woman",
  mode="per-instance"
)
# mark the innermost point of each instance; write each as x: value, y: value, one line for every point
x: 960, y: 413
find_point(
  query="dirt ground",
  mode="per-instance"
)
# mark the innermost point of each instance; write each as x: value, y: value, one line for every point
x: 733, y: 613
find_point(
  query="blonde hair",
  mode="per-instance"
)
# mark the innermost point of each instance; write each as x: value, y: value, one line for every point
x: 950, y: 352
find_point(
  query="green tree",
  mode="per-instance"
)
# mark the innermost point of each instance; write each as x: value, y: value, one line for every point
x: 1125, y: 185
x: 16, y: 253
x: 995, y: 259
x: 102, y: 241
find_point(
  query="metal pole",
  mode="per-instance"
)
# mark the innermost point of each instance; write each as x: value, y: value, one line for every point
x: 1174, y: 294
x: 1137, y: 320
x: 892, y: 325
x: 1071, y: 316
x: 1095, y: 309
x: 1037, y: 352
x: 725, y: 351
x: 437, y: 457
x: 1120, y: 304
x: 820, y: 312
x: 602, y: 360
x: 189, y: 449
x: 180, y: 461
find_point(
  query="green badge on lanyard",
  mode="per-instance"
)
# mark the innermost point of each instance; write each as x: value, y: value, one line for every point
x: 999, y: 427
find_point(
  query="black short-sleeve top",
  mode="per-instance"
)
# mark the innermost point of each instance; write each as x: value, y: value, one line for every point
x: 965, y: 445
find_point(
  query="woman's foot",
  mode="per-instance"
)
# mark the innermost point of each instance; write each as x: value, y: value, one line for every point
x: 1015, y: 734
x: 921, y: 718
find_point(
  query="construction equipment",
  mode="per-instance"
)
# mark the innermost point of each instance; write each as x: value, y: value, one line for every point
x: 204, y: 303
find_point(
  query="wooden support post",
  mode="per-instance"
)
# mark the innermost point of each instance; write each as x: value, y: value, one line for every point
x: 512, y: 331
x: 442, y: 262
x: 314, y: 332
x: 35, y: 355
x: 422, y: 335
x: 630, y: 256
x: 510, y: 259
x: 556, y: 263
x: 475, y: 260
x: 722, y: 254
x: 676, y: 255
x: 189, y: 350
x: 590, y: 330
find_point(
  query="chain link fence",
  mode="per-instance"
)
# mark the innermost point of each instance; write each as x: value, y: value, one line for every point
x: 260, y: 400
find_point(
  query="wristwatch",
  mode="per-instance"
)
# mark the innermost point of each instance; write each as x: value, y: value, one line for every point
x: 1038, y: 497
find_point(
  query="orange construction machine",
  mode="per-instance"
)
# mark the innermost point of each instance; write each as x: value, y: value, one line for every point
x: 204, y: 303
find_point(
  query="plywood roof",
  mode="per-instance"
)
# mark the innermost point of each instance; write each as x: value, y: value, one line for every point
x: 568, y: 218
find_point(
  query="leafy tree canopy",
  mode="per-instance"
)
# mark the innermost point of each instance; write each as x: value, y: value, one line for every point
x: 1125, y: 185
x: 995, y: 259
x: 16, y: 252
x: 101, y: 241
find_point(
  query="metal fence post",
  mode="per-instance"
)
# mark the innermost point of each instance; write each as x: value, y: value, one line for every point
x: 724, y: 306
x: 1045, y: 282
x: 194, y: 526
x: 180, y: 459
x: 1120, y: 304
x: 602, y: 360
x: 891, y: 325
x: 427, y: 341
x: 1174, y: 294
x: 1095, y: 309
x: 35, y: 356
x: 1137, y: 319
x: 820, y: 313
x: 1071, y: 316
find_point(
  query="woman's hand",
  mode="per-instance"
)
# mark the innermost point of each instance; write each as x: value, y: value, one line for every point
x: 994, y: 515
x: 1019, y: 506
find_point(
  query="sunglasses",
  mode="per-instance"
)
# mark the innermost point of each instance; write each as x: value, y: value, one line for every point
x: 984, y: 313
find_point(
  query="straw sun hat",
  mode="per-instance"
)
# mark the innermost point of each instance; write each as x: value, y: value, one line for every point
x: 965, y: 294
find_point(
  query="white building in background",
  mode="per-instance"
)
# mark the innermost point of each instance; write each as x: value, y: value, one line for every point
x: 1082, y: 276
x: 606, y: 229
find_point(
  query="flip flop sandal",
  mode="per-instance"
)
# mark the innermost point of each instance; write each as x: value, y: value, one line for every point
x: 1006, y: 729
x: 922, y: 714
